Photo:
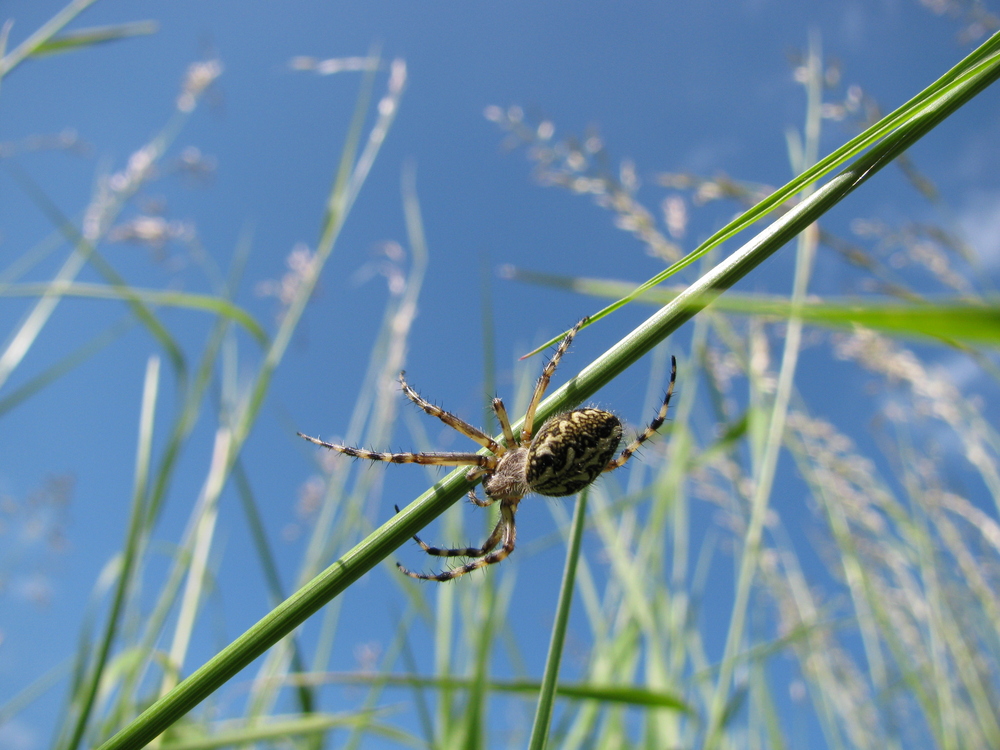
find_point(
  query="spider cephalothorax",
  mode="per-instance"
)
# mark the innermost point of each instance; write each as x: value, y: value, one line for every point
x: 567, y: 454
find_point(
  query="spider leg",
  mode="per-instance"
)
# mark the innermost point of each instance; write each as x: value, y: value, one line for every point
x: 657, y: 422
x: 527, y: 430
x: 451, y: 420
x: 488, y: 545
x: 487, y: 463
x: 501, y: 411
x: 493, y: 541
x: 481, y: 503
x: 486, y: 555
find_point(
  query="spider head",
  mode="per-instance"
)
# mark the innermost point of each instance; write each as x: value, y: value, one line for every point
x: 506, y: 482
x: 571, y: 450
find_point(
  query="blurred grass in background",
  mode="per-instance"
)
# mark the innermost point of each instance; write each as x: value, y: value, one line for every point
x: 896, y: 646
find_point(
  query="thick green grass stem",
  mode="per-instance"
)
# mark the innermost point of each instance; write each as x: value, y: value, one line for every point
x: 550, y: 678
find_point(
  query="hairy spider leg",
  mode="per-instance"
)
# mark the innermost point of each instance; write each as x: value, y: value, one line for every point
x: 489, y: 544
x: 508, y: 433
x: 486, y: 555
x: 482, y: 463
x: 527, y: 430
x: 451, y: 420
x: 657, y: 422
x: 474, y: 498
x: 512, y: 442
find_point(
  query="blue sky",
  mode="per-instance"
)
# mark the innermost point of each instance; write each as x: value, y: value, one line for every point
x: 701, y: 87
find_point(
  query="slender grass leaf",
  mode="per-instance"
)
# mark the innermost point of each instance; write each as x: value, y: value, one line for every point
x: 204, y: 302
x: 88, y: 37
x: 624, y: 694
x: 129, y: 554
x: 284, y: 728
x: 44, y: 33
x: 64, y: 365
x: 947, y: 320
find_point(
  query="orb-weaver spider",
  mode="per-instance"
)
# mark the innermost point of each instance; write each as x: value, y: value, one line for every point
x: 568, y: 453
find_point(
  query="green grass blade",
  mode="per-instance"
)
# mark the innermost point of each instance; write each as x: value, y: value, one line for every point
x: 946, y: 320
x: 472, y: 723
x: 550, y: 677
x: 88, y: 251
x: 627, y: 695
x: 110, y: 205
x: 48, y: 30
x: 4, y: 38
x: 725, y: 701
x: 73, y: 40
x: 283, y: 728
x: 272, y: 577
x: 351, y: 173
x: 194, y: 393
x: 64, y: 365
x: 219, y: 306
x: 32, y: 691
x: 132, y: 539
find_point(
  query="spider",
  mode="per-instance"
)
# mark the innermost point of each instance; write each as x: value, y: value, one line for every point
x: 566, y: 455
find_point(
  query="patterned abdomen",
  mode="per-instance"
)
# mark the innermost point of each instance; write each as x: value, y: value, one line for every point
x: 571, y: 450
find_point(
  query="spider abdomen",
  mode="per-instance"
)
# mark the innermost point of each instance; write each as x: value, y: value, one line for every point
x: 571, y: 450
